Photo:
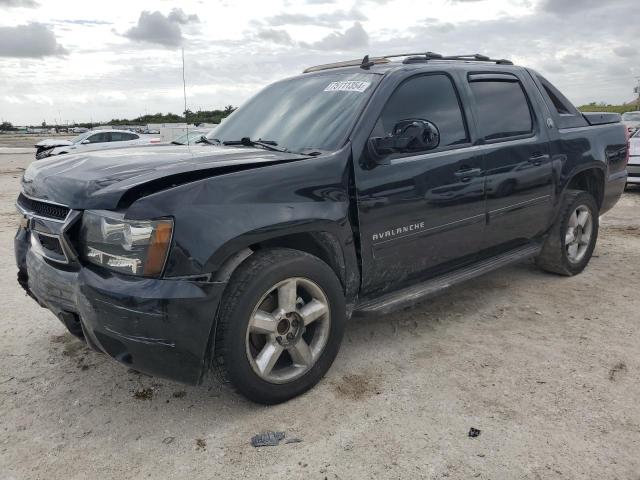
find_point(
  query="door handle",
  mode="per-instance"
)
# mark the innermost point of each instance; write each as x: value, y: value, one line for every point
x: 537, y: 158
x: 466, y: 173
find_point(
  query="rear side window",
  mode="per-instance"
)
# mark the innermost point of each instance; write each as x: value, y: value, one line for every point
x: 100, y: 138
x: 118, y: 136
x: 428, y: 97
x: 122, y: 136
x: 560, y: 107
x: 502, y: 107
x: 567, y: 115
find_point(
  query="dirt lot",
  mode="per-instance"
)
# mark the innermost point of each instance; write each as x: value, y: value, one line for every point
x: 548, y: 368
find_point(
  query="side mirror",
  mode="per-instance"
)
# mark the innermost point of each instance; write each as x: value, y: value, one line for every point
x: 412, y: 135
x: 84, y: 142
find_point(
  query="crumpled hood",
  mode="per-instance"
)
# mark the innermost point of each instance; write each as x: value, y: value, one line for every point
x: 53, y: 142
x: 99, y: 179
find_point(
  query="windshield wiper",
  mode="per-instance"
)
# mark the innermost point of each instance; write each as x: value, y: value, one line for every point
x: 204, y: 139
x: 266, y: 144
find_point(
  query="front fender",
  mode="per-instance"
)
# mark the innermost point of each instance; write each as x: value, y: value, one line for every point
x: 219, y: 216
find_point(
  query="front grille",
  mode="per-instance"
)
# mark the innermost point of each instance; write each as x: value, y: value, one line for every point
x: 43, y: 209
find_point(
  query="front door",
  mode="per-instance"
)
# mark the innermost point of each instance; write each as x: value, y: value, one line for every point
x: 422, y: 211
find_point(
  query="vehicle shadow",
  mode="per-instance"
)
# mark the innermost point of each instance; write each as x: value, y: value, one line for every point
x: 93, y: 373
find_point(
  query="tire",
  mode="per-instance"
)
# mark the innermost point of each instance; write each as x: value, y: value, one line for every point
x: 559, y: 253
x: 252, y: 325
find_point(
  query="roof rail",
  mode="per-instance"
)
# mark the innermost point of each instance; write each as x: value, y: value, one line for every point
x: 367, y: 62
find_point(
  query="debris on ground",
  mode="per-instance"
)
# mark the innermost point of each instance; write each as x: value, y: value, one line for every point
x: 267, y: 439
x: 201, y: 444
x: 619, y: 367
x: 474, y: 432
x: 354, y: 386
x: 293, y: 440
x: 179, y: 394
x: 144, y: 394
x: 168, y: 440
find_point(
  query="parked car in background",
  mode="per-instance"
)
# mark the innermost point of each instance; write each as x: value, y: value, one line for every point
x: 91, y: 140
x: 193, y: 136
x: 631, y: 120
x: 634, y: 159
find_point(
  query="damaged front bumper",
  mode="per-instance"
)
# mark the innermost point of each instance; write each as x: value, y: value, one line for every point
x: 161, y: 327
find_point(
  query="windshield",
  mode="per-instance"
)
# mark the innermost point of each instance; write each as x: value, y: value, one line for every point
x: 631, y: 116
x: 81, y: 137
x: 308, y: 112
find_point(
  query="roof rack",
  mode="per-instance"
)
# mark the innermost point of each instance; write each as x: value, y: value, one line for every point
x: 367, y: 62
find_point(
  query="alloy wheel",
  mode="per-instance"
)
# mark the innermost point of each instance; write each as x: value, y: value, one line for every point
x: 288, y: 330
x: 578, y: 235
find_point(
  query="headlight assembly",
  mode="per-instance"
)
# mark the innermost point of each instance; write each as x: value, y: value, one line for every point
x: 135, y: 247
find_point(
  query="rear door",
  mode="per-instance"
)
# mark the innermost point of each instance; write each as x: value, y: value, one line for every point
x: 420, y: 212
x: 519, y: 180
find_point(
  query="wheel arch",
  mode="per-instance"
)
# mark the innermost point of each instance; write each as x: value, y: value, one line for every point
x: 591, y: 179
x: 326, y: 245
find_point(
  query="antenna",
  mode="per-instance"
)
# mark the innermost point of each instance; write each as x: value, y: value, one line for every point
x: 184, y: 92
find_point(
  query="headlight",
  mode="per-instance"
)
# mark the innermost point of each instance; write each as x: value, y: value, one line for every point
x: 137, y: 247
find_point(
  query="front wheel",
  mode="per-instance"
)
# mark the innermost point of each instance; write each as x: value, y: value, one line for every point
x: 280, y: 325
x: 572, y: 239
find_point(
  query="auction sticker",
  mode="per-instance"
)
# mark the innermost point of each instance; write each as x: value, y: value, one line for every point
x: 347, y: 86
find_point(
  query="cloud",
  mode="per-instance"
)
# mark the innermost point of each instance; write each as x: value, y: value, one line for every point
x: 19, y: 4
x: 626, y: 51
x: 177, y: 15
x: 569, y: 7
x: 33, y: 40
x: 323, y: 19
x: 353, y: 38
x: 81, y: 22
x: 280, y: 37
x: 154, y: 27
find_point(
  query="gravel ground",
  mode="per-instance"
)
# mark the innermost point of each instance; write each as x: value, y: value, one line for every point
x: 546, y: 367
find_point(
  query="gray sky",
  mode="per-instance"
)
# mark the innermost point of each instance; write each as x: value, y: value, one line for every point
x: 86, y: 60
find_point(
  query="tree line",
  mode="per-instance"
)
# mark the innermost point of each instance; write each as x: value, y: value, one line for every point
x: 196, y: 118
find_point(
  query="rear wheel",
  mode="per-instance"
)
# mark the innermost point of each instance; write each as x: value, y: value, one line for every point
x: 572, y: 239
x: 280, y: 325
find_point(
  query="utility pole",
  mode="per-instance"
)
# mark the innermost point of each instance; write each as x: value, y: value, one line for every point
x: 637, y: 92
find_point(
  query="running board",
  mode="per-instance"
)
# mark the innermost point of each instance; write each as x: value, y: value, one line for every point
x: 416, y: 293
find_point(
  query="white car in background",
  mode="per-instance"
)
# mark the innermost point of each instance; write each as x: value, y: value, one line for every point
x: 633, y: 168
x: 631, y: 120
x: 92, y: 140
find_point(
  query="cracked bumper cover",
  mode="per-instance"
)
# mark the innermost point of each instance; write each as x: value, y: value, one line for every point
x: 161, y: 327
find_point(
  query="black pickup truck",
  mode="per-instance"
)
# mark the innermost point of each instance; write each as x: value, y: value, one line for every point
x: 356, y: 188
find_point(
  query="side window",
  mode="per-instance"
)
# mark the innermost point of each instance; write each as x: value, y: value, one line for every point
x: 132, y: 136
x: 121, y: 136
x: 427, y: 97
x: 502, y: 108
x: 99, y: 138
x: 568, y: 115
x: 561, y: 104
